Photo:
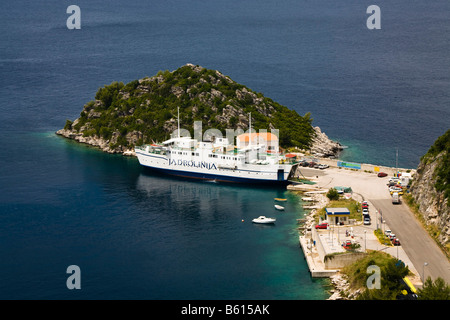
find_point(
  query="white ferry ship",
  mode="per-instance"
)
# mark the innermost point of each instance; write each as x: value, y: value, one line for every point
x: 250, y: 160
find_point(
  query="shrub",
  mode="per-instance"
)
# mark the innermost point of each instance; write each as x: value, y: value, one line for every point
x: 332, y: 194
x: 68, y: 125
x: 439, y: 290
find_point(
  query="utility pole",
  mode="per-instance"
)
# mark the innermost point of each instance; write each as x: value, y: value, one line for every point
x: 396, y: 162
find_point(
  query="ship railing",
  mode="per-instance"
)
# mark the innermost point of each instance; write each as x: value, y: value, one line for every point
x: 152, y: 149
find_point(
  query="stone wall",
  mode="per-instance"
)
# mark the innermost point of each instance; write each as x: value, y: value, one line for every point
x: 339, y: 261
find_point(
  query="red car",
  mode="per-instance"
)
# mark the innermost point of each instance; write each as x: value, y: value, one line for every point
x: 347, y: 244
x: 396, y: 242
x: 382, y: 174
x: 322, y: 225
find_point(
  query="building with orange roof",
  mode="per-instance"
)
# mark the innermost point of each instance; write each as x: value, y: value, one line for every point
x: 268, y: 140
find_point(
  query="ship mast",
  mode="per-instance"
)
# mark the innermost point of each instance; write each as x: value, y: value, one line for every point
x: 250, y: 130
x: 178, y: 122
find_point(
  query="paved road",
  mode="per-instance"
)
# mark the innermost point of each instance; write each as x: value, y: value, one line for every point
x: 416, y: 242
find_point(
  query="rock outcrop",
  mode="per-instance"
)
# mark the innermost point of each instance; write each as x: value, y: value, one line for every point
x: 342, y: 290
x: 324, y: 147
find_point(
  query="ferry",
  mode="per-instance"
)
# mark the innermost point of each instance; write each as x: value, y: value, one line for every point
x: 250, y: 160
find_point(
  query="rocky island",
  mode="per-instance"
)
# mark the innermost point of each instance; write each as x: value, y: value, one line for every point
x: 145, y: 111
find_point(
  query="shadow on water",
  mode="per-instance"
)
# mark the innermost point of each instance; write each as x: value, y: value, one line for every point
x: 255, y: 185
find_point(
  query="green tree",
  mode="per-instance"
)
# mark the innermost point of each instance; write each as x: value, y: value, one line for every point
x: 391, y: 285
x: 68, y: 125
x: 438, y: 290
x: 332, y: 194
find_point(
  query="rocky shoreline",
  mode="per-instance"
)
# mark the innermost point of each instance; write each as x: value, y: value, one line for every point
x: 322, y: 146
x: 341, y: 287
x: 102, y: 144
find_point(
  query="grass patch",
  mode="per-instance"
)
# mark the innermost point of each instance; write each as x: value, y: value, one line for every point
x: 382, y: 238
x: 352, y: 205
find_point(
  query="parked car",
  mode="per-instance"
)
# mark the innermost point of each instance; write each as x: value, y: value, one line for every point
x: 382, y: 174
x: 305, y: 164
x: 395, y: 242
x: 387, y: 232
x: 367, y: 220
x: 365, y: 206
x: 365, y: 211
x: 312, y: 164
x: 347, y: 244
x: 323, y: 225
x: 323, y: 166
x: 391, y: 236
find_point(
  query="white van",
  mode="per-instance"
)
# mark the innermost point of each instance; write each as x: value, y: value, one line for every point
x: 395, y: 198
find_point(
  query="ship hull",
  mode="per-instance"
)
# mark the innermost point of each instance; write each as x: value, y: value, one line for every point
x: 251, y: 174
x: 216, y: 177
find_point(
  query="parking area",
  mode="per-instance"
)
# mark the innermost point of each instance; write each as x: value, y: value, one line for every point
x: 416, y: 248
x: 359, y: 237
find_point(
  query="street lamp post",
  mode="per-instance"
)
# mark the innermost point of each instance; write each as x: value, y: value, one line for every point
x: 376, y: 217
x: 397, y: 251
x: 365, y: 246
x: 338, y: 236
x: 423, y: 272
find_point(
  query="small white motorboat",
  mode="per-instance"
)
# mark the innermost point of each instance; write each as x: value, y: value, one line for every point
x: 278, y: 207
x: 264, y: 219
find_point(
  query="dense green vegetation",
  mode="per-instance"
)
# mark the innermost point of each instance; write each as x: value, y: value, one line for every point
x: 437, y: 290
x: 146, y: 109
x: 333, y: 194
x: 391, y: 272
x: 392, y: 287
x: 441, y: 145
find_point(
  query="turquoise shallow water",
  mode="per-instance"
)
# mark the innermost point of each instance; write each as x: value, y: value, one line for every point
x: 139, y: 236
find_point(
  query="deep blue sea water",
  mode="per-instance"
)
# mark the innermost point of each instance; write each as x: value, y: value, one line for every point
x: 139, y: 236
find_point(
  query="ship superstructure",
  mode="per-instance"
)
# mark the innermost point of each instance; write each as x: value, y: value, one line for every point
x: 254, y: 158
